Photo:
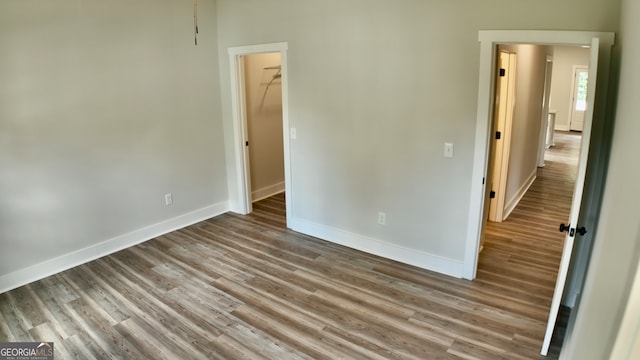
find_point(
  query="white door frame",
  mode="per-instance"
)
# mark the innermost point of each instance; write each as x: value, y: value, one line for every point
x: 601, y: 44
x: 241, y: 151
x: 489, y: 40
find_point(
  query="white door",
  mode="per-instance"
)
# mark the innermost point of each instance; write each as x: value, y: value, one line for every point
x: 505, y: 100
x: 573, y: 226
x: 579, y: 98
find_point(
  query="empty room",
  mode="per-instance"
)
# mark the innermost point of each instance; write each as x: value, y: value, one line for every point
x: 224, y: 179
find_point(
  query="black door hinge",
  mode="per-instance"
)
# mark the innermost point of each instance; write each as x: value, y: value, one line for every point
x: 246, y: 143
x: 492, y: 194
x: 503, y: 72
x: 498, y: 135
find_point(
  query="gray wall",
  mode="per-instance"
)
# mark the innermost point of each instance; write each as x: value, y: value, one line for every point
x: 616, y: 247
x: 376, y: 88
x: 104, y: 108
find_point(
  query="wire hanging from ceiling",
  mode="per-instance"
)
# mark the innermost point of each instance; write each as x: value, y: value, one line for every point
x: 195, y: 22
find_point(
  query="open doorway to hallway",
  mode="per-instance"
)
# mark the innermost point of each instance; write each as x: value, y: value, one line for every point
x: 544, y: 76
x: 584, y: 205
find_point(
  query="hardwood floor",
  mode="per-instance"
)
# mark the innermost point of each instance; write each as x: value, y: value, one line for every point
x: 237, y: 287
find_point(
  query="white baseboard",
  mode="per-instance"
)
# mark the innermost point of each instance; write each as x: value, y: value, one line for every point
x: 515, y: 200
x: 39, y: 271
x: 380, y: 248
x: 267, y: 192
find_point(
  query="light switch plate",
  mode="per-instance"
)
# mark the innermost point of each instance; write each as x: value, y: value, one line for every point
x: 448, y: 150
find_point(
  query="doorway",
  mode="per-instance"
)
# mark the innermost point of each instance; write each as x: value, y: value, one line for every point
x: 600, y: 44
x: 522, y: 250
x: 579, y: 98
x: 269, y: 99
x: 263, y: 109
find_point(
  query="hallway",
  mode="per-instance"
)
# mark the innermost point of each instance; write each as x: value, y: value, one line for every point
x: 522, y: 254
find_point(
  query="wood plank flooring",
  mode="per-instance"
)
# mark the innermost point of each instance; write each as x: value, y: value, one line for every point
x: 245, y: 287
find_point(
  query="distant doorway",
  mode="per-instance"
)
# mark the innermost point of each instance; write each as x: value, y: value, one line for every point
x: 579, y: 98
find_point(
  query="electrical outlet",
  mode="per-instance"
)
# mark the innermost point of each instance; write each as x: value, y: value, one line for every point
x: 382, y: 218
x: 168, y: 199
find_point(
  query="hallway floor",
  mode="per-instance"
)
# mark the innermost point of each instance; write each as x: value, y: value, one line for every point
x: 523, y: 252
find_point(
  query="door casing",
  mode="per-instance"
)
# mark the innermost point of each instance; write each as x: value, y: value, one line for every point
x: 240, y: 202
x: 488, y: 49
x: 489, y: 40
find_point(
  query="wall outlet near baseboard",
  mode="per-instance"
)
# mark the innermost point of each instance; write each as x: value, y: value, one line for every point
x: 168, y: 199
x: 382, y: 218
